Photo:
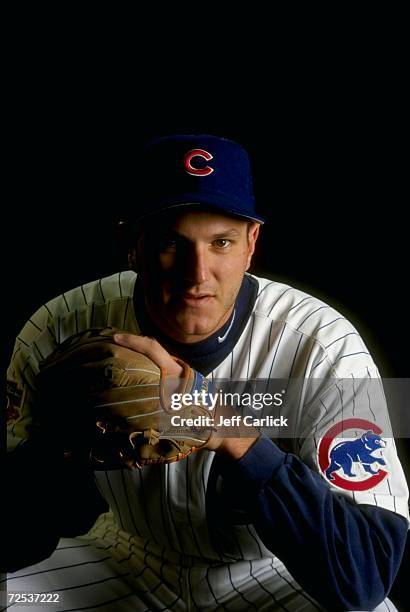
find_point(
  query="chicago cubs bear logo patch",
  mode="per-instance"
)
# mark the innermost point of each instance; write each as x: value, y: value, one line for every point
x: 353, y: 464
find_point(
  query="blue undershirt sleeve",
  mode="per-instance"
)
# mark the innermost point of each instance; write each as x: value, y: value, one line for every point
x: 343, y: 554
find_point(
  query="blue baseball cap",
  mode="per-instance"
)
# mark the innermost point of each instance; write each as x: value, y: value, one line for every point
x: 196, y: 171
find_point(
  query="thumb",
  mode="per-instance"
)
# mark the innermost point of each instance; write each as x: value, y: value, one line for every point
x: 152, y: 349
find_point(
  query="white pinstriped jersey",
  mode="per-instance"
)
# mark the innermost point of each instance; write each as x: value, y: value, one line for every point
x: 153, y: 550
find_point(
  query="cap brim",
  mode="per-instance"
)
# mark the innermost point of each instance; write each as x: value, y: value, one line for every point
x: 199, y: 202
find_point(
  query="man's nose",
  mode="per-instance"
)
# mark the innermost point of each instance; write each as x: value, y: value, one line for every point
x: 196, y: 265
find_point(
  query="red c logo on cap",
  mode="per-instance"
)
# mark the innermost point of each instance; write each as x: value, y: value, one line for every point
x: 197, y: 171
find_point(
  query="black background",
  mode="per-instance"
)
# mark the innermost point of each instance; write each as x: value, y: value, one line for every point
x: 330, y: 179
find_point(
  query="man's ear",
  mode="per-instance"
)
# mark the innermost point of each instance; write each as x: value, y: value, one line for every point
x: 253, y: 233
x: 135, y: 255
x: 132, y: 259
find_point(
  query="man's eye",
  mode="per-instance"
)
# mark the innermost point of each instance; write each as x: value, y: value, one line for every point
x: 222, y: 243
x: 167, y: 244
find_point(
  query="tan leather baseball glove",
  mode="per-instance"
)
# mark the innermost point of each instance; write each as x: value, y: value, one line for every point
x: 115, y: 404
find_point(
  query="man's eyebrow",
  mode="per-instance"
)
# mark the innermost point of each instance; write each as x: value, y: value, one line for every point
x: 221, y: 234
x: 229, y: 232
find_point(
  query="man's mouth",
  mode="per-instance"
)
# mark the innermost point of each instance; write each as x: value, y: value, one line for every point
x: 196, y: 298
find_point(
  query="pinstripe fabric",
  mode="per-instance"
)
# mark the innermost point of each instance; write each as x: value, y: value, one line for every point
x: 155, y: 549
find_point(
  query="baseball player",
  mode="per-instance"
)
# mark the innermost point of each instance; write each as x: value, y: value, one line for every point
x: 312, y: 519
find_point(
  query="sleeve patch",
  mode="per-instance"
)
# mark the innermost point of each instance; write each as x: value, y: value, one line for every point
x: 14, y: 401
x: 355, y: 463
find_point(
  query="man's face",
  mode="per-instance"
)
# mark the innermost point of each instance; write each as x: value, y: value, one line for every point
x: 192, y: 266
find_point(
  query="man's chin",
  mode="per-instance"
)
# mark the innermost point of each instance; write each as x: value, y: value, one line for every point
x: 194, y: 330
